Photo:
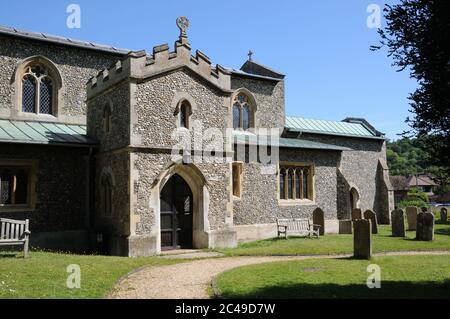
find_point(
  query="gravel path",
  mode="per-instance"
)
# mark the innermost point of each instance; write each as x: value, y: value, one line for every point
x: 191, y: 280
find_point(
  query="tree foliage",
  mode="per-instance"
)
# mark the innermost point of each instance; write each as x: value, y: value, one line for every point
x: 416, y: 37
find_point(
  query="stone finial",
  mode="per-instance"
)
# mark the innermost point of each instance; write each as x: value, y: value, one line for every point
x: 183, y: 24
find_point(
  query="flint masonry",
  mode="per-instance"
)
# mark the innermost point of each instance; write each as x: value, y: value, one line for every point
x: 87, y: 139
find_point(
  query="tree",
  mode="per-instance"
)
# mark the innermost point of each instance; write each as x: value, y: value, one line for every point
x: 416, y: 37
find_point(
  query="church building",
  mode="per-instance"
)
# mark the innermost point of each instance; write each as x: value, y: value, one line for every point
x: 88, y: 149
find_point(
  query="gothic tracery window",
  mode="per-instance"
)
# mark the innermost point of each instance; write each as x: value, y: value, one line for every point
x: 243, y: 112
x: 296, y: 183
x: 38, y: 90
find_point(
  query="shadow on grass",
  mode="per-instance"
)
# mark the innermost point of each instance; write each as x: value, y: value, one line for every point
x: 10, y: 255
x: 444, y: 231
x: 389, y: 289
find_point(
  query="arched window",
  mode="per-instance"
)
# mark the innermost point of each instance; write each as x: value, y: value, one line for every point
x: 243, y: 112
x: 38, y: 90
x: 184, y: 114
x: 107, y: 119
x: 106, y: 196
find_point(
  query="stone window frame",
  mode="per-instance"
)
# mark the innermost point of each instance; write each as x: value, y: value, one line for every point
x: 184, y: 103
x: 240, y: 169
x: 57, y: 89
x: 31, y: 166
x: 250, y: 101
x: 106, y: 180
x: 178, y: 99
x: 295, y: 166
x: 107, y: 117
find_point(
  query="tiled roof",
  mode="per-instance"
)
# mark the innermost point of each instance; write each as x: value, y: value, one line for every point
x: 421, y: 180
x: 251, y: 139
x: 26, y: 132
x: 340, y: 128
x: 399, y: 183
x: 61, y: 40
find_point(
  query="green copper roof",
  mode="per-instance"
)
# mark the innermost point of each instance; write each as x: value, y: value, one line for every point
x: 26, y: 132
x: 341, y: 128
x: 251, y: 139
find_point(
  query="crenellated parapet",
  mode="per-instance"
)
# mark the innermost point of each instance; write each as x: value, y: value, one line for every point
x: 139, y: 66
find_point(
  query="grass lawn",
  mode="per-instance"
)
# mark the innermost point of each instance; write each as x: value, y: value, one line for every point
x: 335, y: 244
x: 401, y: 277
x: 43, y: 274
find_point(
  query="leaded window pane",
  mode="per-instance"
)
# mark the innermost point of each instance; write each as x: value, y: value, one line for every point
x: 282, y: 186
x: 290, y: 184
x: 298, y: 181
x: 305, y: 183
x: 46, y: 96
x: 246, y: 117
x: 236, y: 116
x: 29, y: 94
x: 5, y: 189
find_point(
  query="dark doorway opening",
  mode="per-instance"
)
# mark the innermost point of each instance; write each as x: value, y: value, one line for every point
x: 176, y: 214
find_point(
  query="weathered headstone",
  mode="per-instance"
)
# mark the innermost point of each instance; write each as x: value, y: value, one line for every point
x: 319, y: 219
x: 444, y: 215
x: 345, y: 227
x: 368, y: 214
x: 411, y: 217
x: 362, y: 239
x: 398, y: 223
x: 356, y: 213
x: 425, y: 227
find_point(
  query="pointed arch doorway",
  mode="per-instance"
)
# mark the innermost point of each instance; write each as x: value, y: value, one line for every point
x: 176, y: 214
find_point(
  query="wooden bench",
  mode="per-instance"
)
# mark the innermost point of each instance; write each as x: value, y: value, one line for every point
x: 297, y: 226
x: 15, y: 233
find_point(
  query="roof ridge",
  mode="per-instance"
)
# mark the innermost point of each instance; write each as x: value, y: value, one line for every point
x: 46, y: 37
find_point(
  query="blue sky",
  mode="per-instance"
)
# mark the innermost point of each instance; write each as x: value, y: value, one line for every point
x: 321, y: 46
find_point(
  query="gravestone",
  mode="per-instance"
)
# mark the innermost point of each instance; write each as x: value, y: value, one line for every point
x: 425, y: 227
x: 444, y: 215
x: 368, y: 214
x: 345, y: 227
x: 411, y: 217
x: 356, y: 214
x: 319, y: 219
x: 362, y: 239
x: 398, y: 223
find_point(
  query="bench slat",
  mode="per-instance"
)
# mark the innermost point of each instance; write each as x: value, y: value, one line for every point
x: 13, y: 221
